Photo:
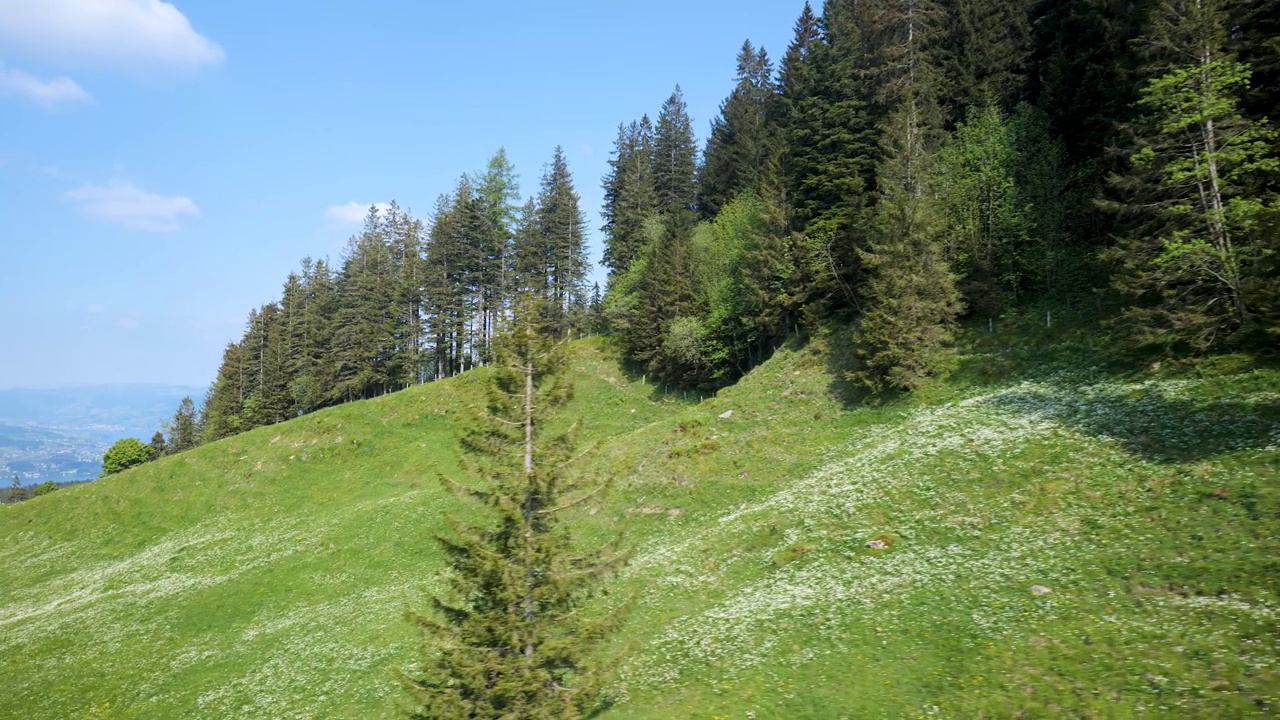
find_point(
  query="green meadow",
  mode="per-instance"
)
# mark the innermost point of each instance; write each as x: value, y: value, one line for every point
x: 1048, y: 533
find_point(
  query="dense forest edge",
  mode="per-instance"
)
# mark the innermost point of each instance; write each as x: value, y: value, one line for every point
x: 906, y: 166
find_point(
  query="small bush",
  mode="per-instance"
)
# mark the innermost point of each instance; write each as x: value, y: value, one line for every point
x: 124, y: 454
x: 44, y: 488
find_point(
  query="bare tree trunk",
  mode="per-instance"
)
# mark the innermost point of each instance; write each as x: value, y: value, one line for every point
x: 528, y: 418
x: 1212, y: 198
x: 528, y: 501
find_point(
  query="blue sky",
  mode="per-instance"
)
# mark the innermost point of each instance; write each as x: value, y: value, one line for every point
x: 164, y: 166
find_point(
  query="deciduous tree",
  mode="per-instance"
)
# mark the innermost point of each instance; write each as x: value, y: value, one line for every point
x: 124, y: 454
x: 1192, y: 265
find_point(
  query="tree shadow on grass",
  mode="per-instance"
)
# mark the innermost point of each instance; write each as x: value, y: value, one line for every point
x: 661, y: 392
x: 1154, y: 425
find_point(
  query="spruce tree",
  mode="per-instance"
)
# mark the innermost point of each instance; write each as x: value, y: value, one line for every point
x: 630, y: 195
x: 364, y: 327
x: 17, y: 493
x: 986, y: 54
x: 267, y: 399
x: 443, y: 287
x: 743, y: 136
x: 158, y: 445
x: 1198, y: 184
x: 797, y: 88
x: 1055, y: 262
x: 1084, y: 68
x: 831, y: 147
x: 223, y: 408
x: 506, y: 640
x: 665, y: 290
x: 404, y: 242
x: 910, y: 302
x: 561, y: 232
x: 1255, y: 41
x: 906, y: 333
x: 470, y: 233
x: 675, y: 158
x: 595, y: 311
x: 182, y: 428
x: 529, y: 261
x: 312, y: 377
x: 293, y: 307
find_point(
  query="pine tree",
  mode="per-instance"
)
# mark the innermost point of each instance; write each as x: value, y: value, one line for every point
x: 831, y: 145
x: 743, y: 137
x: 182, y: 427
x: 910, y: 303
x: 158, y: 445
x: 312, y: 372
x: 506, y: 640
x: 561, y: 232
x: 675, y: 158
x: 986, y: 54
x: 630, y: 196
x: 1196, y: 182
x: 223, y: 408
x: 364, y: 327
x: 1084, y: 68
x: 404, y: 242
x: 17, y: 493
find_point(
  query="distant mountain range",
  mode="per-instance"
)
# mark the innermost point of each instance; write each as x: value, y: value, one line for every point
x: 60, y: 434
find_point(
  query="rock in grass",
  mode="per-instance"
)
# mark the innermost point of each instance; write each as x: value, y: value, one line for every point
x: 1040, y: 590
x: 726, y: 414
x: 882, y: 541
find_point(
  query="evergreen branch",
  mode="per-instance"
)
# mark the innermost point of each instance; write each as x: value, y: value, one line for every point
x: 573, y: 503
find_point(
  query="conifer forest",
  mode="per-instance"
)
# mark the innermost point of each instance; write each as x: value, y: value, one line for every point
x: 903, y: 166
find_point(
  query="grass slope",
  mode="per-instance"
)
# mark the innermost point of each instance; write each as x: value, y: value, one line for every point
x: 266, y: 576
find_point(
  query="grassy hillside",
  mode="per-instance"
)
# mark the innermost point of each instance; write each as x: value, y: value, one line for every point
x: 266, y: 576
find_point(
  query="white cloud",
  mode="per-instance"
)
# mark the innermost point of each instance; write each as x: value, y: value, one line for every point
x: 127, y: 205
x: 95, y: 309
x: 352, y: 212
x: 128, y: 324
x: 45, y: 93
x: 125, y: 33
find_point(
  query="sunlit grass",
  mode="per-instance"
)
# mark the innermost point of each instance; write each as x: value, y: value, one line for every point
x: 267, y: 576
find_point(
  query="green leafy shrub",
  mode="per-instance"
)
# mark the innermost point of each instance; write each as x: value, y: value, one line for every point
x: 124, y: 454
x: 44, y: 488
